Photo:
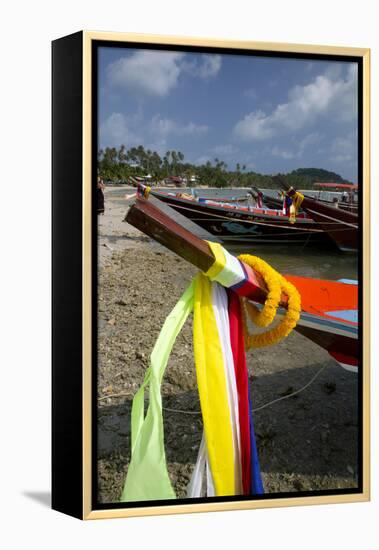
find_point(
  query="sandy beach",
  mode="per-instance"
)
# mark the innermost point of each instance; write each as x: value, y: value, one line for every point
x: 307, y: 442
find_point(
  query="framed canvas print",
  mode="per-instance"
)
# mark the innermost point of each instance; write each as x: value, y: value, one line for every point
x: 210, y: 275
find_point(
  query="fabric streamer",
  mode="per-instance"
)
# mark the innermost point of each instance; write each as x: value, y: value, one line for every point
x: 228, y: 457
x: 256, y: 478
x: 227, y: 270
x: 195, y: 486
x: 220, y: 310
x: 147, y: 477
x: 230, y: 272
x: 213, y: 390
x: 238, y: 349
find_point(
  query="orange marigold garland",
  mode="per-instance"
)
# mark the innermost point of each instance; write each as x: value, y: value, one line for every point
x: 276, y: 284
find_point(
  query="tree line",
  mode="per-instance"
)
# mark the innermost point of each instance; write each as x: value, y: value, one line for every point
x: 117, y: 165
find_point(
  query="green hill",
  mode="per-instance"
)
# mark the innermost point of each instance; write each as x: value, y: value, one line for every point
x: 301, y: 178
x: 308, y: 176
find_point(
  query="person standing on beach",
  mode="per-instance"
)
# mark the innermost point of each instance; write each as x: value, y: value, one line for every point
x: 100, y: 196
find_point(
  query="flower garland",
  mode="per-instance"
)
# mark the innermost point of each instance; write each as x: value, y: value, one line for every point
x: 272, y: 279
x: 276, y: 284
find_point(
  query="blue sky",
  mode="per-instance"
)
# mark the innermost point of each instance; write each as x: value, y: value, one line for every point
x: 271, y: 114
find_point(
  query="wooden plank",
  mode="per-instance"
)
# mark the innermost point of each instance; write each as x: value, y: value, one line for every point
x: 155, y: 223
x: 149, y: 219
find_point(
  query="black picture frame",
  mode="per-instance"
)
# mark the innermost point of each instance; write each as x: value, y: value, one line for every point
x: 74, y: 273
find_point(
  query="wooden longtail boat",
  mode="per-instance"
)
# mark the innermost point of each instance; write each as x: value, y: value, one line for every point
x: 239, y: 224
x: 340, y: 225
x: 272, y: 202
x: 242, y: 199
x: 277, y: 203
x: 329, y: 308
x: 350, y: 205
x: 232, y: 200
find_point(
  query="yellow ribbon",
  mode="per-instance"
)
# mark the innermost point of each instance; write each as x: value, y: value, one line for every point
x: 213, y: 390
x: 220, y: 261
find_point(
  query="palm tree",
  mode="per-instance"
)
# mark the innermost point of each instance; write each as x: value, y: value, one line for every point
x: 165, y: 165
x: 174, y: 157
x: 122, y: 154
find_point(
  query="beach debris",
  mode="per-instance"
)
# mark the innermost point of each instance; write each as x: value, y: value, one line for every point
x: 330, y: 387
x: 287, y: 391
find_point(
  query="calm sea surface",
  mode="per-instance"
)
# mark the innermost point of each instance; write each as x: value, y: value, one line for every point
x: 307, y: 261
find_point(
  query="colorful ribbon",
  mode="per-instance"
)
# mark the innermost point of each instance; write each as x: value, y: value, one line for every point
x: 147, y: 477
x: 227, y: 454
x: 238, y: 349
x: 230, y: 272
x: 213, y: 392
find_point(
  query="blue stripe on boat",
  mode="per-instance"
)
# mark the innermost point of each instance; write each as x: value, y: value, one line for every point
x: 329, y: 323
x: 348, y: 281
x: 346, y: 315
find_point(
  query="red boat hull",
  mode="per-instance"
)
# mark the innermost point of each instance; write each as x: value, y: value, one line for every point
x: 340, y: 225
x: 238, y: 224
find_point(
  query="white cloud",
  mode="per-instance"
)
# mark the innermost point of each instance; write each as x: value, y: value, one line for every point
x: 226, y: 149
x: 206, y: 66
x: 326, y: 94
x: 156, y: 73
x: 116, y: 130
x: 202, y: 160
x: 148, y: 72
x: 254, y: 126
x: 164, y: 127
x: 344, y: 149
x: 298, y: 147
x: 308, y: 140
x: 282, y: 153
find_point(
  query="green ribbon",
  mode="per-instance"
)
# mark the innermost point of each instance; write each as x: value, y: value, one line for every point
x: 147, y: 477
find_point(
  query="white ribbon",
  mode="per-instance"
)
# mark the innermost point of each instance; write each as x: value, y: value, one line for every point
x: 195, y: 487
x: 220, y: 310
x: 232, y: 273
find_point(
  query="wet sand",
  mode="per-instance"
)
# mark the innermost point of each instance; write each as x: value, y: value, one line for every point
x: 307, y: 442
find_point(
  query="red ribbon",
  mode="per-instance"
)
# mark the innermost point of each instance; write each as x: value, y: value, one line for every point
x: 238, y: 350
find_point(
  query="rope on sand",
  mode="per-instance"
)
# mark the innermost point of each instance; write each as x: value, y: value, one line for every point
x: 265, y: 404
